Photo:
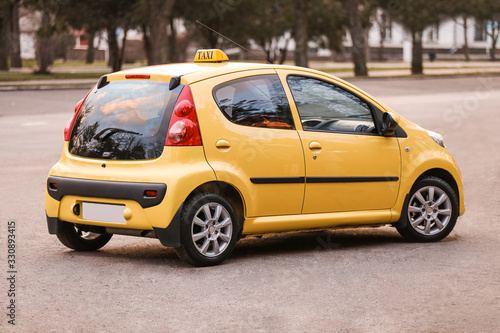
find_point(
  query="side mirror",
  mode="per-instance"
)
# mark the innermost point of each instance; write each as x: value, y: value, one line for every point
x: 389, y: 124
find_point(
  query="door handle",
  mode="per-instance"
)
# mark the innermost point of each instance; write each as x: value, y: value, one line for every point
x: 315, y: 146
x: 223, y: 145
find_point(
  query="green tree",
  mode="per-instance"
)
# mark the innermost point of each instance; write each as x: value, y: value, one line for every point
x: 461, y: 11
x: 359, y: 14
x: 84, y: 15
x: 489, y: 12
x: 231, y: 18
x: 156, y: 22
x: 109, y: 15
x: 301, y: 33
x: 327, y: 24
x: 15, y: 38
x: 415, y: 16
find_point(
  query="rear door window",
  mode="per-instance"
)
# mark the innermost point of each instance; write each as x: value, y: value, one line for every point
x: 124, y: 120
x: 258, y: 101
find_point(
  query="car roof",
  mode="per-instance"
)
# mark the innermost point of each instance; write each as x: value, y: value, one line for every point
x: 194, y: 72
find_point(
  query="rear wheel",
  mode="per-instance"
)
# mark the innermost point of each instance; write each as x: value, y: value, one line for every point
x: 431, y: 212
x: 80, y: 238
x: 209, y: 230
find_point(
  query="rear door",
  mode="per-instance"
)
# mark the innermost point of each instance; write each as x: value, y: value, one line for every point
x: 250, y: 140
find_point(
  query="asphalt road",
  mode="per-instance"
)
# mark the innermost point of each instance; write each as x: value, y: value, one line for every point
x: 364, y: 280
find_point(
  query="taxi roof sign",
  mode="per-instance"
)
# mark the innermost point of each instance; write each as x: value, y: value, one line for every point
x: 210, y: 55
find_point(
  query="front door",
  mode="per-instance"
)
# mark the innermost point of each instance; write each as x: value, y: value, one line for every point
x: 349, y: 166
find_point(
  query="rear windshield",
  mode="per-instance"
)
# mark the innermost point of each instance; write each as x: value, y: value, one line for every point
x: 124, y: 120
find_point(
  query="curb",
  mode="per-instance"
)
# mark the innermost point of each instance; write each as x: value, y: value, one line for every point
x: 71, y: 84
x: 26, y: 87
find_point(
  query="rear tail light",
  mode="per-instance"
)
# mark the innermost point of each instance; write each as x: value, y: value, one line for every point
x: 71, y: 121
x: 184, y: 129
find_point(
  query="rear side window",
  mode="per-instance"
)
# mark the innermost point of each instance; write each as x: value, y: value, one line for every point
x: 124, y: 120
x: 258, y: 101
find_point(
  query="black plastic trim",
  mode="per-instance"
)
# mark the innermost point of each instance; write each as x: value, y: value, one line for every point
x: 174, y: 82
x: 350, y: 179
x: 106, y: 189
x: 53, y: 224
x: 103, y: 82
x: 377, y: 114
x: 402, y: 223
x: 171, y: 235
x: 277, y: 180
x: 400, y: 133
x: 315, y: 180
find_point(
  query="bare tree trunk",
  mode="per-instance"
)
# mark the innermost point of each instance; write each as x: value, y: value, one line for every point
x: 112, y: 45
x: 267, y: 51
x: 15, y: 40
x: 381, y: 50
x: 382, y: 23
x: 466, y: 41
x: 114, y: 50
x: 284, y: 51
x: 494, y: 39
x: 417, y: 59
x: 45, y: 44
x: 89, y: 58
x: 173, y: 56
x: 160, y: 12
x: 122, y: 51
x: 493, y: 50
x: 146, y: 42
x: 301, y: 35
x: 4, y: 37
x: 367, y: 46
x: 357, y: 32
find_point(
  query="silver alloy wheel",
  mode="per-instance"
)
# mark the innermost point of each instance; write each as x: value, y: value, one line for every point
x: 87, y: 235
x: 211, y: 229
x: 429, y: 210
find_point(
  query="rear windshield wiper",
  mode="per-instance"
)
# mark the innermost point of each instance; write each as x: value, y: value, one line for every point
x: 109, y: 131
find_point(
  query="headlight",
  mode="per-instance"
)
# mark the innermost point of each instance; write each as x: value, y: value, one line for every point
x: 436, y: 137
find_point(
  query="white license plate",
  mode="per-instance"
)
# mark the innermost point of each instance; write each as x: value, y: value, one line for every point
x: 103, y: 212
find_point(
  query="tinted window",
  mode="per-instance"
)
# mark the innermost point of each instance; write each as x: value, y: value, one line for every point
x: 124, y: 120
x: 323, y: 106
x: 255, y: 101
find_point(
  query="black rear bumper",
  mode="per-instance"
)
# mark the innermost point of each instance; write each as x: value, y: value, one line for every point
x: 106, y: 189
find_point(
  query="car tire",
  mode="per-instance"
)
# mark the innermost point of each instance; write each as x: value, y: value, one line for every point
x: 209, y: 230
x: 77, y: 238
x: 431, y: 212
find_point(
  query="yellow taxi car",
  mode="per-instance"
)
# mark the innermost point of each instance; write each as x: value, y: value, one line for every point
x: 199, y: 155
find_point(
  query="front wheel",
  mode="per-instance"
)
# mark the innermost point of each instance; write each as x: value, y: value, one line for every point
x: 431, y: 212
x: 79, y: 238
x: 209, y: 230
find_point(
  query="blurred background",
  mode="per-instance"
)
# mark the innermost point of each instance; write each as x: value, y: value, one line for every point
x: 39, y: 35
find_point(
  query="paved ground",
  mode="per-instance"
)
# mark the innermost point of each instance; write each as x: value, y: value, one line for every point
x: 340, y: 69
x: 338, y: 281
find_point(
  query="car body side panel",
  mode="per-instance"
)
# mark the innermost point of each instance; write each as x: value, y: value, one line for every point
x: 254, y: 152
x: 424, y: 154
x: 276, y: 224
